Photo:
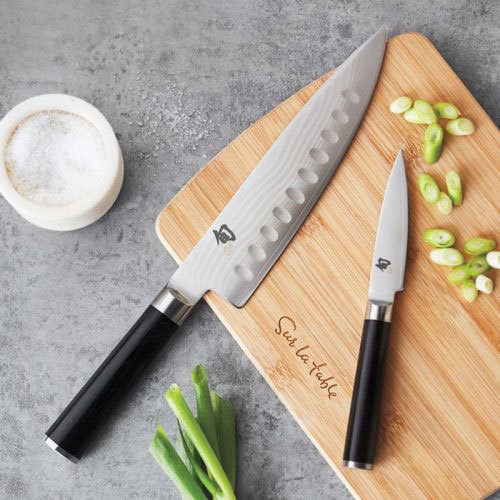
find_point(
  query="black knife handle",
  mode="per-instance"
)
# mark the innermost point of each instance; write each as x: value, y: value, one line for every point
x: 361, y: 438
x: 71, y: 433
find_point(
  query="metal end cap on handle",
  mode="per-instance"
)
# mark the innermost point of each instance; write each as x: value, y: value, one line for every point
x: 357, y: 465
x: 54, y: 446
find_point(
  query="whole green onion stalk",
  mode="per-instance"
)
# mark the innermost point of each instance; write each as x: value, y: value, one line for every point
x: 194, y: 432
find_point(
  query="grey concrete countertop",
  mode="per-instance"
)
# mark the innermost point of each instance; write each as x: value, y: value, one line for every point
x: 178, y: 79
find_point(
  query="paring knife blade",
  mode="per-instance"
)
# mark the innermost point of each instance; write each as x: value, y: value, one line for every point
x: 389, y: 255
x: 242, y: 244
x: 387, y: 278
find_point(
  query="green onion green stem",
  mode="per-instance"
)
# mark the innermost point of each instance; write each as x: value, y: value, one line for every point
x: 204, y: 410
x: 164, y: 453
x: 195, y: 433
x: 226, y: 431
x: 210, y: 485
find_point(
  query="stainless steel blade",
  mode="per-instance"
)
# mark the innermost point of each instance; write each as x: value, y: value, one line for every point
x: 389, y: 256
x: 245, y: 240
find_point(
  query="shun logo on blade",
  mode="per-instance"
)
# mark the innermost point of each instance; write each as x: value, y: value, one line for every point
x: 383, y: 264
x: 224, y: 235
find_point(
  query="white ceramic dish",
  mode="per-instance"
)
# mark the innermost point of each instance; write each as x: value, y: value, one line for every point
x: 86, y: 210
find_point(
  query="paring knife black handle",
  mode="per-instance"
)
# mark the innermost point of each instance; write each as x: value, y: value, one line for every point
x: 361, y: 438
x: 71, y: 433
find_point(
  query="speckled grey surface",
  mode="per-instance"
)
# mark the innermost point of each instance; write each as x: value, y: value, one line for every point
x: 177, y: 80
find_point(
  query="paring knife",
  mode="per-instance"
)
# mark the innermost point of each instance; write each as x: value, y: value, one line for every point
x: 387, y: 278
x: 245, y: 240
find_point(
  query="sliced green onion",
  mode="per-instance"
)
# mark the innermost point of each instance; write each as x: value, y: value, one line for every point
x: 459, y: 274
x: 447, y: 257
x: 428, y: 188
x: 493, y: 259
x: 433, y: 143
x: 469, y: 290
x: 412, y: 116
x: 479, y: 246
x: 454, y: 187
x: 425, y: 111
x: 460, y: 126
x: 439, y: 238
x: 446, y: 110
x: 484, y: 284
x: 444, y: 204
x: 401, y: 104
x: 192, y: 429
x: 164, y: 453
x: 478, y: 265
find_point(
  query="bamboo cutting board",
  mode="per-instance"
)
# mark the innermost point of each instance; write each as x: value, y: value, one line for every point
x: 302, y: 327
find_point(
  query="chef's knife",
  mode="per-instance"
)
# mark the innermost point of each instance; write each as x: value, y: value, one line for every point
x: 387, y: 278
x: 245, y: 240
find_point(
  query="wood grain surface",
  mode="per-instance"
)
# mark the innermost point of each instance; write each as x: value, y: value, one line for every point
x: 439, y: 427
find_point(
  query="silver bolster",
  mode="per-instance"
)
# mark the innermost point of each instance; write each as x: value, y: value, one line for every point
x: 173, y: 305
x: 379, y: 312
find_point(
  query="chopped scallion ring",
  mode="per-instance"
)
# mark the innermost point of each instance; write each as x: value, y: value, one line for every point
x: 401, y: 104
x: 454, y: 187
x: 439, y: 238
x: 460, y: 126
x: 447, y: 257
x: 469, y: 290
x: 478, y: 265
x: 428, y: 187
x: 493, y: 259
x: 425, y: 111
x: 479, y: 246
x: 484, y: 284
x: 444, y: 204
x: 446, y: 110
x: 412, y: 116
x: 433, y: 143
x: 459, y: 274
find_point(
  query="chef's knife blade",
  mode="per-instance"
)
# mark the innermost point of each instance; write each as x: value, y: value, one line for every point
x: 387, y: 278
x: 265, y: 213
x: 242, y: 244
